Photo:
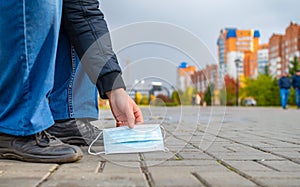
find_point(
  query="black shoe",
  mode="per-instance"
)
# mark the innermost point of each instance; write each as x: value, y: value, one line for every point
x: 76, y: 132
x: 41, y: 147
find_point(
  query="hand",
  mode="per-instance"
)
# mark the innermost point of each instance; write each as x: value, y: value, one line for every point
x: 124, y: 109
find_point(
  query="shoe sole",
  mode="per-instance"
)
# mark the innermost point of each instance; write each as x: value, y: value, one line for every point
x: 9, y: 154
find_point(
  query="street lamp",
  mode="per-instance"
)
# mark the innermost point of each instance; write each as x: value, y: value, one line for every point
x: 237, y: 63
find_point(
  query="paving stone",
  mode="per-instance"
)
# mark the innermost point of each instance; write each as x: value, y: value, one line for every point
x: 194, y: 163
x: 158, y: 155
x: 238, y: 144
x: 243, y: 156
x: 280, y: 182
x: 274, y: 174
x: 96, y: 179
x: 195, y: 156
x: 121, y: 167
x: 217, y: 178
x: 15, y: 173
x: 284, y: 165
x: 133, y: 157
x: 173, y: 176
x: 246, y: 166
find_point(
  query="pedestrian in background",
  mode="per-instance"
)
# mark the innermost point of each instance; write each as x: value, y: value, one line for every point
x: 296, y: 85
x: 284, y: 85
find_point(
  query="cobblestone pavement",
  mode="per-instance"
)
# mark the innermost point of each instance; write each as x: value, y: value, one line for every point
x: 244, y: 147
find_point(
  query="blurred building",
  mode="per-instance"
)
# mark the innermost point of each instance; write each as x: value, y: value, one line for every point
x: 263, y: 58
x: 290, y: 44
x: 208, y: 76
x: 184, y: 73
x: 283, y: 48
x: 238, y: 46
x: 275, y: 55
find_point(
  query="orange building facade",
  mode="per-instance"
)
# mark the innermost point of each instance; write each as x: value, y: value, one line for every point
x: 238, y: 45
x: 184, y: 72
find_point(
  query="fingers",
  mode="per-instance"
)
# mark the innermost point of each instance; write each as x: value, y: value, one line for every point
x: 128, y: 114
x: 138, y: 116
x: 130, y: 119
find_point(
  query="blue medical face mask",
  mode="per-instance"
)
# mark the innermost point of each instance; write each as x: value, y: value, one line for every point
x: 142, y: 138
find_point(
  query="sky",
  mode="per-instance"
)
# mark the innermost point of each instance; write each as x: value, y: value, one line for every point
x: 202, y: 18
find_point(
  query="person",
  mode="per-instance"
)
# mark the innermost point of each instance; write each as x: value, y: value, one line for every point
x: 198, y: 99
x: 43, y: 91
x: 284, y: 85
x: 193, y: 99
x: 296, y: 86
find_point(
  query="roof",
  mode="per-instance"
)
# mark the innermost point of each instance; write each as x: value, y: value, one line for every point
x: 231, y: 33
x: 256, y: 34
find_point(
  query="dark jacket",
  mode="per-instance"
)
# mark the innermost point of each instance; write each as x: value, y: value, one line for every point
x: 284, y: 83
x: 85, y: 25
x: 296, y: 81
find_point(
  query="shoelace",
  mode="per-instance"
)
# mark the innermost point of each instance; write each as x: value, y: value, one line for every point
x: 41, y: 137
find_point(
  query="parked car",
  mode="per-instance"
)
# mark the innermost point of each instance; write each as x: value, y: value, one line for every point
x: 250, y: 102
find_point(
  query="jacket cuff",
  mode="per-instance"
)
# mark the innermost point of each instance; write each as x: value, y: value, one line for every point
x: 109, y: 82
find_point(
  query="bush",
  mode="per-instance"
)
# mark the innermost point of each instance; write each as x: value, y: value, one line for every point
x: 138, y: 98
x: 264, y: 90
x: 144, y: 100
x: 175, y: 97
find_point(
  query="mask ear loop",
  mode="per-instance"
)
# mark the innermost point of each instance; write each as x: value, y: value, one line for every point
x: 164, y: 136
x: 90, y: 146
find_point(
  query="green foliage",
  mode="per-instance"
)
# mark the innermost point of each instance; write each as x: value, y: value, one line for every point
x: 144, y: 100
x: 208, y: 94
x: 292, y: 97
x: 138, y: 98
x: 186, y: 97
x: 264, y: 90
x: 175, y: 97
x: 294, y: 66
x: 223, y: 96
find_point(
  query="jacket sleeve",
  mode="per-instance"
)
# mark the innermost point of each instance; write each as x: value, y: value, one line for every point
x: 279, y: 83
x: 294, y: 82
x: 88, y: 32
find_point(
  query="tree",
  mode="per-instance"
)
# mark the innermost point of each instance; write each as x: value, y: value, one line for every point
x: 138, y: 98
x: 294, y: 66
x: 264, y: 90
x: 208, y: 94
x: 228, y: 92
x: 144, y: 100
x: 186, y: 97
x: 175, y: 97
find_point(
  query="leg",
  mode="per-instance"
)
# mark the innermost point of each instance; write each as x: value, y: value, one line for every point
x: 73, y: 94
x: 297, y: 92
x: 27, y: 65
x: 287, y: 94
x: 282, y: 98
x: 28, y: 49
x: 74, y: 98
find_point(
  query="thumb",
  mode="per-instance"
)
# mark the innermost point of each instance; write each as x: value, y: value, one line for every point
x: 130, y: 119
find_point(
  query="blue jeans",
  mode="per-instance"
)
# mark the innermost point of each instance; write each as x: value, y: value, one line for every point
x: 284, y: 96
x: 73, y: 94
x: 35, y: 88
x: 297, y: 93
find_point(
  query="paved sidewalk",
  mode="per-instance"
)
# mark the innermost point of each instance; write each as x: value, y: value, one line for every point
x: 249, y: 147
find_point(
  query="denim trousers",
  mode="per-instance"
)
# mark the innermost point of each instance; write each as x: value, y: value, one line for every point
x: 297, y: 93
x: 41, y: 77
x: 284, y: 96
